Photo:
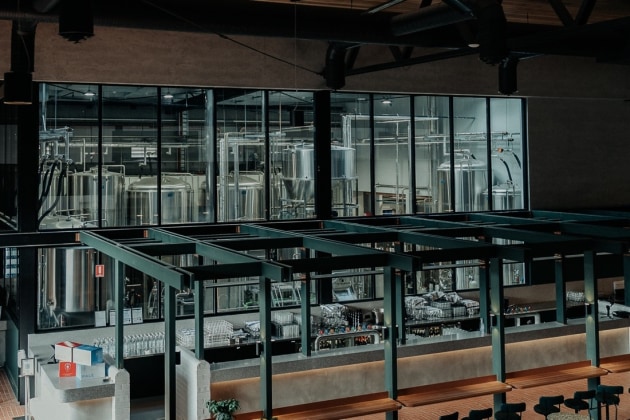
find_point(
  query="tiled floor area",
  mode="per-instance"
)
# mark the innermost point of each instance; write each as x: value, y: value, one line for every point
x: 9, y: 407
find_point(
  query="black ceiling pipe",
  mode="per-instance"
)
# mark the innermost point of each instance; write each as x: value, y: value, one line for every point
x: 18, y: 83
x: 335, y: 70
x: 507, y: 76
x: 491, y: 32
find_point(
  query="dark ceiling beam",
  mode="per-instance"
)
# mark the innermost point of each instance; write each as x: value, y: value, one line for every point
x: 562, y: 12
x: 586, y: 8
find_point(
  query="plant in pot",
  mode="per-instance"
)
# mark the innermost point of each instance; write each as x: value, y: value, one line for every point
x: 223, y: 409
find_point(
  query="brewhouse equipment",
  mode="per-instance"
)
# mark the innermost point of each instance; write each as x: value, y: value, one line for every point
x: 298, y: 173
x: 85, y: 191
x: 246, y: 196
x: 176, y: 196
x: 69, y: 289
x: 469, y: 175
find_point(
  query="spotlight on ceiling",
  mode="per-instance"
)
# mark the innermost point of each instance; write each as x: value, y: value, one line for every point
x: 507, y: 76
x: 76, y: 21
x: 18, y: 87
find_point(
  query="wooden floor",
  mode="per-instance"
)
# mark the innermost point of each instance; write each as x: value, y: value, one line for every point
x: 10, y: 408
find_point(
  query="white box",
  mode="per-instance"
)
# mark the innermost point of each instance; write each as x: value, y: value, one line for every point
x: 63, y: 350
x: 88, y: 372
x: 87, y: 355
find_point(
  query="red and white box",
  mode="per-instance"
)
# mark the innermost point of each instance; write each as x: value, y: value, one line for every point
x: 63, y: 350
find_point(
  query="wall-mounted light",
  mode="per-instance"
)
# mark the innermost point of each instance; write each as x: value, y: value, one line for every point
x: 18, y: 88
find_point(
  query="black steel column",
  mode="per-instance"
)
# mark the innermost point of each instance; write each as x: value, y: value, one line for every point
x: 592, y: 314
x: 323, y: 183
x: 119, y: 329
x: 497, y: 325
x: 561, y: 290
x: 264, y: 349
x: 170, y: 307
x: 390, y: 331
x: 305, y: 313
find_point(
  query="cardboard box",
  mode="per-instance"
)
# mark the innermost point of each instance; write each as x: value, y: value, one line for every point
x: 87, y: 355
x: 63, y: 350
x: 89, y: 372
x: 67, y: 369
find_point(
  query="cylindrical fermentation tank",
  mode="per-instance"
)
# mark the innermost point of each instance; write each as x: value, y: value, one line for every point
x: 85, y: 191
x: 176, y: 195
x: 298, y: 172
x: 470, y: 179
x: 298, y: 169
x: 68, y: 283
x: 342, y: 163
x: 245, y: 198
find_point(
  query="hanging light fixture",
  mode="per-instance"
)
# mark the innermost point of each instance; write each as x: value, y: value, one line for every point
x: 386, y: 101
x: 89, y: 93
x: 168, y: 95
x: 18, y: 88
x: 76, y: 20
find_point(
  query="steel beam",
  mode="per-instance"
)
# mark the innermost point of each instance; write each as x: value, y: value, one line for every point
x: 166, y: 273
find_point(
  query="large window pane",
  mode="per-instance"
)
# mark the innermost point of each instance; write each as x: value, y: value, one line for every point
x: 391, y: 160
x: 184, y: 144
x: 350, y: 132
x: 507, y: 153
x: 130, y: 146
x: 241, y: 151
x: 470, y: 171
x: 69, y: 158
x: 292, y: 164
x: 432, y: 134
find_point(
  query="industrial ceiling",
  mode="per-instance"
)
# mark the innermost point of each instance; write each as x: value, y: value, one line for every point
x: 415, y: 31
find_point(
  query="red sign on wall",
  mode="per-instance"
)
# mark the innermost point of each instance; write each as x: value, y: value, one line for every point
x: 99, y: 270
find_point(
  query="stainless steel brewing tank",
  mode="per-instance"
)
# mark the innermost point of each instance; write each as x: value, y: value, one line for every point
x: 246, y: 198
x: 84, y: 193
x: 298, y: 169
x: 505, y: 196
x: 69, y: 283
x: 176, y: 195
x: 342, y: 163
x: 298, y: 172
x: 470, y: 179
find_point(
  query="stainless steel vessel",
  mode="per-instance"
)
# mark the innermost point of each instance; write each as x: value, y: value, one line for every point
x: 176, y: 196
x: 69, y: 284
x: 246, y: 197
x: 470, y: 179
x: 342, y: 162
x: 85, y: 191
x: 298, y: 172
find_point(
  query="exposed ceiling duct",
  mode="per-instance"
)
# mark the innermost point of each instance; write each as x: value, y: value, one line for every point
x: 18, y: 82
